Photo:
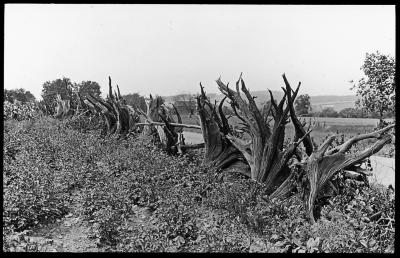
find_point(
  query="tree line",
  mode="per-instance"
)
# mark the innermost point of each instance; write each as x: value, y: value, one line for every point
x: 375, y: 91
x: 68, y: 91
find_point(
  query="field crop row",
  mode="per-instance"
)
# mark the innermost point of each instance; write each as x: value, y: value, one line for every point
x: 192, y: 207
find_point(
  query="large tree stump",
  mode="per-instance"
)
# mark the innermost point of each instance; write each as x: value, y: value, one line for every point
x: 264, y: 152
x: 323, y: 164
x: 219, y: 151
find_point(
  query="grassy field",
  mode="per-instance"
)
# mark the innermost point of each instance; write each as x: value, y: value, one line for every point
x: 338, y: 121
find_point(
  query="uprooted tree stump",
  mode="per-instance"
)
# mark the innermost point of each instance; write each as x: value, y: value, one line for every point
x: 119, y: 117
x: 160, y: 124
x: 263, y: 153
x: 323, y: 164
x: 219, y: 151
x: 122, y: 119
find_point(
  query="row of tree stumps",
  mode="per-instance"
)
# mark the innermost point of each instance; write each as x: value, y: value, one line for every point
x: 255, y: 147
x: 123, y: 120
x: 262, y: 155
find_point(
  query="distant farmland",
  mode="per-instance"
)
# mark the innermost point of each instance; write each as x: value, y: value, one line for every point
x: 338, y: 103
x: 317, y: 102
x: 339, y: 121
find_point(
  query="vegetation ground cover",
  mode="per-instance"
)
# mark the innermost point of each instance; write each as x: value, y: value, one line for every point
x: 134, y: 197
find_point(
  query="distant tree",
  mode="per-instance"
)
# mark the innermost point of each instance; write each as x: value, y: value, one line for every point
x: 328, y: 112
x: 376, y: 91
x: 88, y: 87
x: 302, y: 104
x: 84, y: 89
x: 50, y: 89
x: 135, y: 100
x: 20, y: 94
x: 186, y: 102
x: 67, y: 91
x: 352, y: 113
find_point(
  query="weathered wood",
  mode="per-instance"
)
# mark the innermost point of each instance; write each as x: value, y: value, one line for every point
x: 188, y: 147
x: 322, y: 164
x: 219, y: 151
x: 268, y: 158
x: 264, y: 151
x: 63, y: 107
x: 120, y: 118
x: 299, y: 127
x: 159, y: 121
x: 172, y: 124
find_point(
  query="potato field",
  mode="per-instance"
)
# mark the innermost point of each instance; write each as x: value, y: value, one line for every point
x: 111, y: 177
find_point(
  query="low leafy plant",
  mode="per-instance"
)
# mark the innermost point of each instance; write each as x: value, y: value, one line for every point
x: 139, y: 199
x: 20, y: 111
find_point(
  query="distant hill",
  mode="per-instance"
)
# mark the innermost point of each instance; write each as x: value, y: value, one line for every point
x: 317, y: 102
x: 336, y: 102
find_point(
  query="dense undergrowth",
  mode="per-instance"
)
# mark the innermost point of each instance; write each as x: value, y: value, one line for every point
x: 192, y: 208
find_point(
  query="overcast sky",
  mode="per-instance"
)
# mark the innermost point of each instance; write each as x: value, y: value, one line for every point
x: 169, y: 49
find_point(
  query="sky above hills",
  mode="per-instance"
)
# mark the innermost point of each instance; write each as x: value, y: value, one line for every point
x: 169, y: 49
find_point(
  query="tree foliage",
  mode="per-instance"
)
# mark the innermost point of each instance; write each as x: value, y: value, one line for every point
x: 185, y: 102
x: 135, y: 100
x: 302, y: 104
x: 328, y: 112
x: 352, y: 113
x: 67, y: 90
x: 376, y: 91
x: 88, y: 87
x: 20, y: 94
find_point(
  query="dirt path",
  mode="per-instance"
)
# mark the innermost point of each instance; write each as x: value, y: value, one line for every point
x: 70, y: 234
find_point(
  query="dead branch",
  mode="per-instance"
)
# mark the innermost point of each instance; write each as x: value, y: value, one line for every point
x: 172, y: 124
x: 299, y: 128
x: 348, y: 144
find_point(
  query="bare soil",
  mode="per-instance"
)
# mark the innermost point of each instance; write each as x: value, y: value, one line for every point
x: 70, y: 234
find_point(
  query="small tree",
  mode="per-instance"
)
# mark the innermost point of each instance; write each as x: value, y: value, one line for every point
x: 302, y: 104
x: 376, y: 91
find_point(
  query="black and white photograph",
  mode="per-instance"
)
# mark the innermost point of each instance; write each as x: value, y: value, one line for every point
x: 199, y: 128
